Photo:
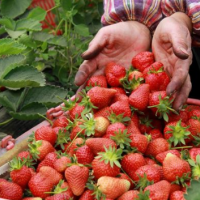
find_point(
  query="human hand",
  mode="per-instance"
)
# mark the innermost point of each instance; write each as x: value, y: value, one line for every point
x: 172, y: 46
x: 118, y: 43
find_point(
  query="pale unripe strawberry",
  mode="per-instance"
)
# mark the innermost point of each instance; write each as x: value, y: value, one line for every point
x: 101, y: 125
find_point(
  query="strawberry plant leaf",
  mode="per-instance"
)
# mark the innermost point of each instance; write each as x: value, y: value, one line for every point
x: 8, y: 23
x: 28, y: 24
x: 9, y: 46
x: 38, y: 14
x: 193, y: 192
x: 67, y: 5
x: 23, y: 76
x: 82, y: 29
x: 14, y: 8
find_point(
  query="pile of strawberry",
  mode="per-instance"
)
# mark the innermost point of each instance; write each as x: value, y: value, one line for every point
x: 122, y: 140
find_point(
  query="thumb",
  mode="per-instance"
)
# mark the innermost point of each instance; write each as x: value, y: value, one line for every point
x: 96, y: 45
x: 180, y: 43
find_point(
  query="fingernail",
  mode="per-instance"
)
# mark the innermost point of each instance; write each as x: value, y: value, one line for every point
x: 184, y: 51
x: 180, y: 107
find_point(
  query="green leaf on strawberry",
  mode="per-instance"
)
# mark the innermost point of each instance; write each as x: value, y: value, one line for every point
x: 193, y: 192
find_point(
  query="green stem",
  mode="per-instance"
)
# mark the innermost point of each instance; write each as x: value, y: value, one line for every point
x: 6, y: 122
x: 183, y: 147
x: 50, y: 122
x: 59, y: 25
x: 128, y: 176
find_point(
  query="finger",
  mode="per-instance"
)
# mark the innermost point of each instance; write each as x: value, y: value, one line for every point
x: 78, y: 92
x: 182, y: 95
x: 179, y: 76
x: 85, y: 70
x: 96, y: 46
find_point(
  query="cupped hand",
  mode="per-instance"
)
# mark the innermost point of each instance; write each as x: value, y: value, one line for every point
x: 118, y: 43
x: 172, y: 46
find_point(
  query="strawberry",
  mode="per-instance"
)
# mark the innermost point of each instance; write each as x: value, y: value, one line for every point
x: 125, y: 176
x: 99, y: 144
x: 143, y: 60
x: 176, y: 132
x: 155, y: 133
x: 114, y: 74
x: 157, y: 146
x: 24, y: 154
x: 119, y: 97
x: 61, y: 121
x: 146, y: 175
x: 100, y: 97
x: 87, y: 195
x: 131, y: 162
x: 39, y: 149
x: 61, y: 163
x: 46, y: 133
x: 135, y: 75
x: 138, y: 141
x: 101, y: 125
x: 76, y: 129
x: 194, y: 127
x: 71, y: 147
x: 9, y: 190
x: 84, y: 155
x: 177, y: 195
x: 175, y: 168
x: 49, y: 160
x: 183, y: 116
x: 104, y: 112
x: 160, y: 104
x: 32, y: 198
x: 154, y: 66
x: 113, y: 187
x: 77, y: 177
x: 159, y: 190
x: 145, y: 125
x: 114, y: 128
x: 129, y: 195
x: 107, y: 163
x: 139, y: 98
x: 121, y: 107
x: 174, y: 187
x: 195, y: 114
x: 149, y: 161
x: 161, y: 156
x: 135, y: 119
x: 194, y: 152
x: 119, y: 90
x: 157, y: 79
x: 99, y: 80
x: 20, y: 174
x: 75, y: 111
x: 133, y: 128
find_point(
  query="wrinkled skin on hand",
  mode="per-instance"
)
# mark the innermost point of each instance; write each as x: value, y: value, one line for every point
x: 172, y: 46
x: 118, y: 43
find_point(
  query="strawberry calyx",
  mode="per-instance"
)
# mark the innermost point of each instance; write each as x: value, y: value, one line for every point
x: 143, y: 182
x: 111, y: 156
x: 196, y: 141
x: 143, y: 195
x: 58, y: 189
x: 195, y: 167
x: 182, y: 180
x: 68, y: 104
x: 154, y: 71
x: 33, y: 148
x: 16, y: 163
x: 113, y: 118
x: 179, y: 133
x: 96, y: 191
x: 63, y: 137
x: 164, y: 107
x: 121, y: 138
x: 146, y: 121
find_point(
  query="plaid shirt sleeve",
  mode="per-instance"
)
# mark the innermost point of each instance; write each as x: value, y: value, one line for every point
x: 191, y: 8
x: 147, y: 12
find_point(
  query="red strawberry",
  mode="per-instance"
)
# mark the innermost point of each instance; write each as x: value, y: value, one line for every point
x: 177, y: 195
x: 157, y: 146
x: 32, y: 198
x: 39, y: 149
x: 161, y: 156
x: 61, y: 121
x: 71, y: 147
x: 175, y: 187
x: 24, y: 154
x: 84, y: 155
x: 160, y: 104
x: 49, y: 160
x: 145, y: 125
x: 101, y: 125
x: 87, y: 195
x: 125, y: 176
x: 129, y: 195
x: 99, y: 80
x: 77, y: 177
x: 114, y: 73
x: 183, y: 116
x: 100, y: 97
x: 119, y: 90
x: 157, y: 79
x: 9, y: 190
x: 195, y: 114
x: 159, y: 190
x: 147, y: 174
x: 119, y: 97
x: 131, y: 162
x: 135, y: 75
x: 46, y: 133
x: 99, y: 144
x: 194, y: 152
x: 138, y: 141
x: 155, y: 133
x: 155, y: 66
x: 176, y: 132
x: 75, y: 111
x: 113, y: 187
x: 135, y: 119
x: 107, y: 163
x: 149, y: 161
x: 194, y: 127
x: 76, y: 130
x: 143, y: 60
x: 133, y: 128
x: 139, y: 98
x: 104, y: 112
x: 61, y: 164
x: 121, y: 107
x: 114, y: 128
x: 175, y: 168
